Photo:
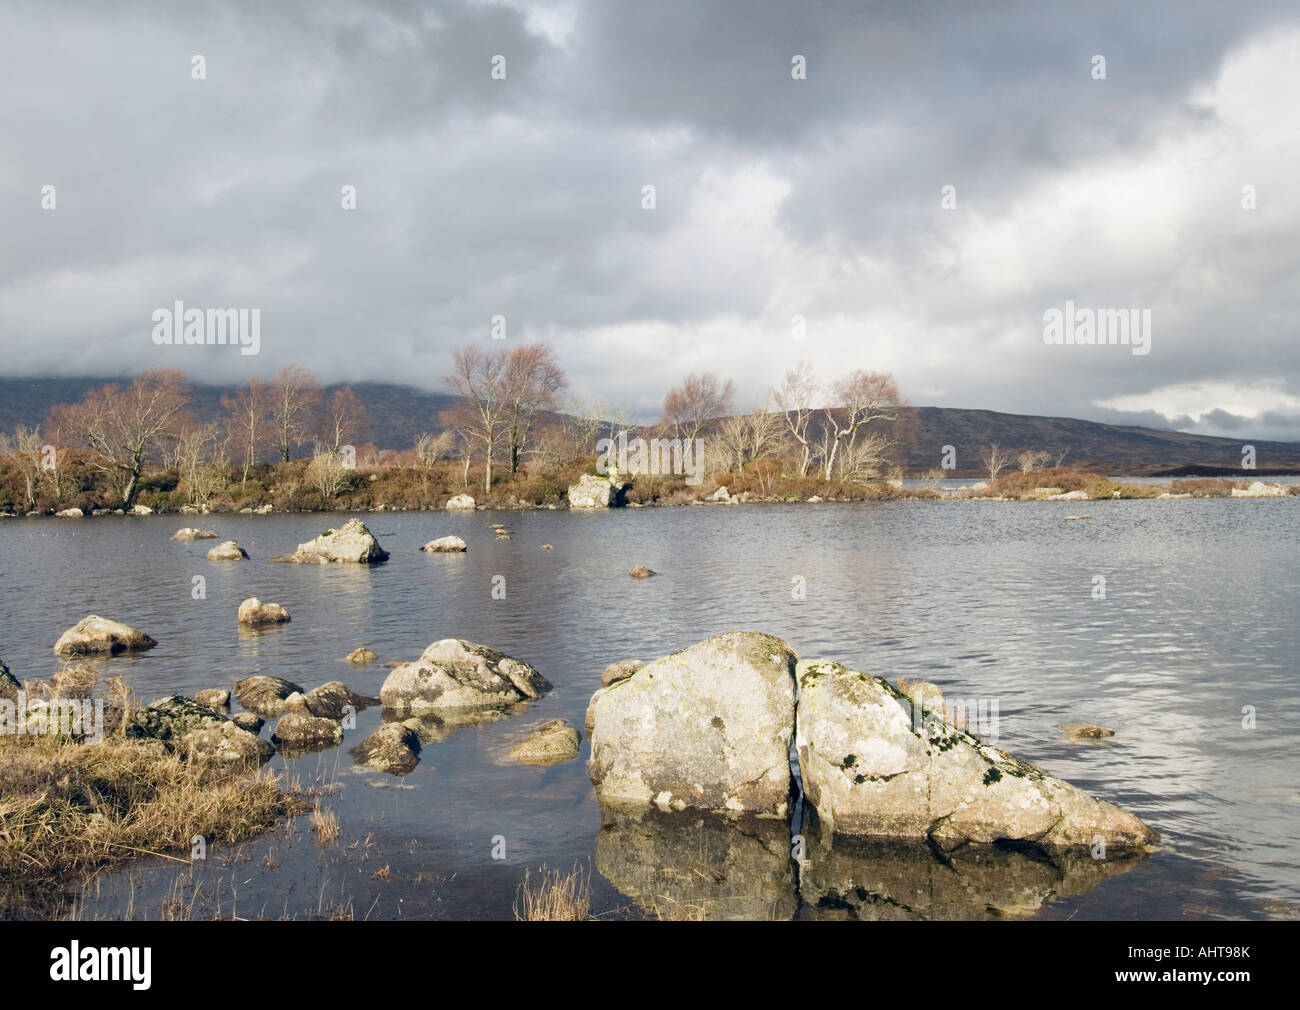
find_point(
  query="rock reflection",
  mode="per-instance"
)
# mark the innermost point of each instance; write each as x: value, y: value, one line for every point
x: 704, y: 866
x: 699, y: 866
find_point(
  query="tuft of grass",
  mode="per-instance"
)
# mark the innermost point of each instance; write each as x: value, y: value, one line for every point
x: 325, y: 824
x: 554, y: 898
x: 71, y: 808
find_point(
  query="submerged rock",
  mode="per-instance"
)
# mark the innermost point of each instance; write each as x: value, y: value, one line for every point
x: 227, y: 550
x: 870, y: 768
x: 456, y: 674
x: 551, y: 743
x: 706, y: 728
x: 351, y: 543
x: 265, y: 695
x: 393, y: 748
x: 254, y: 612
x: 444, y: 545
x: 1082, y: 731
x: 94, y: 635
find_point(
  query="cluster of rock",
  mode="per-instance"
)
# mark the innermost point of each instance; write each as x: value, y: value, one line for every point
x: 710, y: 728
x: 1258, y: 489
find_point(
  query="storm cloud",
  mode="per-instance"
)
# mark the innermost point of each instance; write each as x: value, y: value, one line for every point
x: 1164, y: 185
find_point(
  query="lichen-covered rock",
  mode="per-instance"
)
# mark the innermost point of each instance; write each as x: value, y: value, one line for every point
x: 193, y: 533
x: 265, y: 695
x: 214, y: 698
x: 393, y: 748
x: 9, y: 686
x: 705, y: 728
x: 445, y: 545
x: 96, y: 635
x: 640, y: 572
x: 455, y: 674
x: 460, y: 502
x: 621, y: 670
x: 227, y: 550
x: 298, y: 728
x: 169, y: 719
x: 872, y: 768
x: 226, y: 744
x: 351, y: 543
x: 551, y: 743
x: 362, y: 656
x: 592, y: 492
x: 253, y: 612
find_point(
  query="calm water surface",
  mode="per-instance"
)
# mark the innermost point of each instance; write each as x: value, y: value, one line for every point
x: 989, y: 600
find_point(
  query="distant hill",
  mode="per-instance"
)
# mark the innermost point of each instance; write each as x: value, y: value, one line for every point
x: 398, y: 414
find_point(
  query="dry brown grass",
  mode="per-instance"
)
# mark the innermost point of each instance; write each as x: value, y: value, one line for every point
x: 68, y: 808
x: 554, y: 898
x: 325, y: 824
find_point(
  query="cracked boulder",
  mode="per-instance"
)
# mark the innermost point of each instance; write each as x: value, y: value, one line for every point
x: 707, y: 728
x: 454, y: 675
x: 873, y: 769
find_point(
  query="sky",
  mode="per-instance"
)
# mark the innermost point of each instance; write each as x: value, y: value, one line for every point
x: 499, y: 153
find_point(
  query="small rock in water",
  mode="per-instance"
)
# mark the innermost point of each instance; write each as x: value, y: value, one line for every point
x: 95, y: 634
x: 640, y: 572
x: 215, y: 698
x: 547, y: 547
x: 265, y: 695
x: 248, y: 721
x: 361, y: 656
x: 621, y: 670
x: 551, y: 743
x: 393, y: 748
x: 1077, y: 517
x: 1082, y: 731
x: 227, y: 550
x: 192, y: 533
x: 254, y: 612
x: 444, y: 545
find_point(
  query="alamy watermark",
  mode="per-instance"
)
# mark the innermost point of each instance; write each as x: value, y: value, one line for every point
x: 1128, y: 327
x: 236, y: 327
x: 71, y: 717
x: 683, y: 457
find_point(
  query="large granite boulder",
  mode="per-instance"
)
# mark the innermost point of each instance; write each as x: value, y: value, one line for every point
x: 351, y: 543
x: 300, y: 731
x: 333, y: 700
x: 445, y: 545
x: 393, y: 748
x: 254, y: 613
x: 706, y: 728
x: 454, y: 674
x: 170, y: 719
x: 872, y: 768
x: 461, y: 502
x: 592, y: 492
x: 97, y: 635
x: 226, y: 744
x: 227, y: 550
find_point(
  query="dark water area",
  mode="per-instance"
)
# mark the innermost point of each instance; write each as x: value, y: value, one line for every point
x: 988, y: 600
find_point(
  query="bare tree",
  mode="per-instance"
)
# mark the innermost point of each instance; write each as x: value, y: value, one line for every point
x: 23, y: 451
x: 794, y: 397
x: 698, y: 400
x: 123, y: 427
x: 862, y: 398
x: 1060, y: 457
x: 327, y: 472
x: 1031, y: 459
x: 295, y: 397
x: 745, y: 438
x: 249, y: 421
x: 478, y: 377
x: 995, y: 460
x: 348, y: 421
x: 531, y: 381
